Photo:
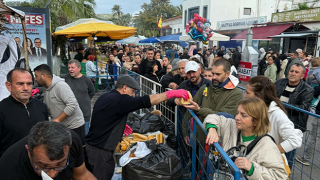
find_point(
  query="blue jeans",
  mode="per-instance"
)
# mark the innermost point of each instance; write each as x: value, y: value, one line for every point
x: 226, y: 115
x: 86, y: 127
x: 290, y: 157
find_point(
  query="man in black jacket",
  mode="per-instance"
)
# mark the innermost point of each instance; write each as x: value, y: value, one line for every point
x: 19, y: 112
x: 296, y: 92
x: 193, y: 83
x: 105, y: 133
x: 144, y: 62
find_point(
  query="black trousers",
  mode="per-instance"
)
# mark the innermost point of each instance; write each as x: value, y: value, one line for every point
x: 101, y: 162
x: 81, y: 132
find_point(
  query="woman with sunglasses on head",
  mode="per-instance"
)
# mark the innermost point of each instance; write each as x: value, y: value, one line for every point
x: 264, y: 161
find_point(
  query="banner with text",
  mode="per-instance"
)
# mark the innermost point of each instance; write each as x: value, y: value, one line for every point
x: 302, y: 15
x: 36, y: 37
x: 244, y: 71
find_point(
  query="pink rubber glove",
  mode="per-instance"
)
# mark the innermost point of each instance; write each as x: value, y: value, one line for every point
x: 34, y: 91
x: 180, y: 93
x: 127, y: 130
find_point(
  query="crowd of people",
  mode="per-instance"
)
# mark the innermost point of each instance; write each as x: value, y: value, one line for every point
x: 33, y: 147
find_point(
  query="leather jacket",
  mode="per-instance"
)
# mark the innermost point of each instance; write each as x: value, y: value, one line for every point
x: 301, y: 98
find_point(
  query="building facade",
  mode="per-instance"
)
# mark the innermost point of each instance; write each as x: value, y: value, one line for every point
x: 230, y: 9
x: 172, y: 26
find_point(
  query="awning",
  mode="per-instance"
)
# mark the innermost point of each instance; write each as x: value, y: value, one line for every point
x: 292, y: 35
x: 263, y: 32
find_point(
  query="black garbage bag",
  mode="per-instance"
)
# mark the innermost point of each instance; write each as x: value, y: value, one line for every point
x: 162, y: 163
x: 151, y: 123
x: 133, y: 120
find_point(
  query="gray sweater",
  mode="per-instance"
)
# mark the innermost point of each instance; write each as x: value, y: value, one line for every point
x: 83, y: 89
x: 60, y: 98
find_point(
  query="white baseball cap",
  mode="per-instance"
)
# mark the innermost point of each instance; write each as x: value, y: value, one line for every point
x: 191, y: 66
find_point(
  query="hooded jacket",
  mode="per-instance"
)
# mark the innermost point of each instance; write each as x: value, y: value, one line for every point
x: 263, y: 53
x: 213, y: 99
x: 282, y: 69
x: 301, y: 98
x: 282, y: 129
x: 265, y: 155
x: 60, y: 98
x: 217, y: 99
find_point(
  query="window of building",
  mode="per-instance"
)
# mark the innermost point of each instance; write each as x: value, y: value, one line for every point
x: 185, y: 18
x: 178, y: 30
x: 192, y: 11
x: 174, y: 31
x: 247, y: 11
x: 205, y: 12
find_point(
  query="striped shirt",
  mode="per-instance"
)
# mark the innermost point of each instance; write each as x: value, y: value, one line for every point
x: 286, y: 93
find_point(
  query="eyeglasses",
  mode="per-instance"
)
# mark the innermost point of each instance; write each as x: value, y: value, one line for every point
x: 47, y: 170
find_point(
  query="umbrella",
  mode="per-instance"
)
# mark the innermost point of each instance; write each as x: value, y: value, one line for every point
x: 214, y: 37
x: 150, y: 40
x: 97, y: 29
x: 173, y: 38
x: 82, y: 21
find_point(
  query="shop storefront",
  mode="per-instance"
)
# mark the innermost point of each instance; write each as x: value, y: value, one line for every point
x: 232, y: 28
x: 264, y: 33
x: 305, y: 40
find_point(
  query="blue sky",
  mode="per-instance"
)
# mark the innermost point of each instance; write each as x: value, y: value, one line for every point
x: 128, y: 6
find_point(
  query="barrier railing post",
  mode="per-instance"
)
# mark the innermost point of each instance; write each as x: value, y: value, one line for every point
x: 193, y: 143
x: 176, y: 119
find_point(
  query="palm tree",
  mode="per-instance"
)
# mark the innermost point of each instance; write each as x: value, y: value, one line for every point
x: 116, y: 11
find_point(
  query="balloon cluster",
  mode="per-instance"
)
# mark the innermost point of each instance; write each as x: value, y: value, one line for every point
x: 200, y: 29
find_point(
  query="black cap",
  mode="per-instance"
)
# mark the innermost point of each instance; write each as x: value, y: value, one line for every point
x: 128, y: 81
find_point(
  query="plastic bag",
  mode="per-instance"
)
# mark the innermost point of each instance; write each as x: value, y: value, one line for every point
x: 162, y: 163
x: 133, y: 120
x: 150, y: 123
x: 140, y: 150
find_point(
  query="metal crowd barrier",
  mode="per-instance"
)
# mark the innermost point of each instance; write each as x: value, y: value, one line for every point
x: 200, y: 161
x: 195, y: 160
x: 300, y: 171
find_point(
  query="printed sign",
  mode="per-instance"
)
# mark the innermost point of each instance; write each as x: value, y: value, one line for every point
x: 302, y: 16
x: 38, y: 35
x: 240, y: 23
x: 244, y: 71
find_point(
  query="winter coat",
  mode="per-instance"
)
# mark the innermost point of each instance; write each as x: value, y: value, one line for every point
x: 313, y: 77
x: 282, y: 69
x: 178, y: 79
x: 282, y: 129
x: 263, y: 53
x: 262, y: 67
x: 213, y: 99
x: 60, y: 98
x: 187, y: 85
x: 301, y: 98
x: 166, y: 80
x: 223, y: 99
x: 271, y: 72
x: 265, y: 155
x: 152, y: 77
x: 236, y: 57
